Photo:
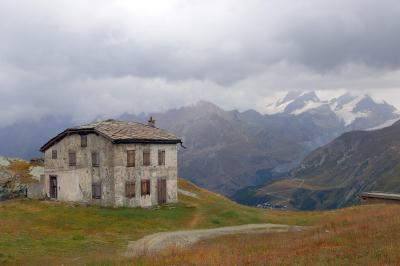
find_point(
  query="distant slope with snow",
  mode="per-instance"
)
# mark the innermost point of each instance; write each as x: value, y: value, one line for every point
x: 352, y: 111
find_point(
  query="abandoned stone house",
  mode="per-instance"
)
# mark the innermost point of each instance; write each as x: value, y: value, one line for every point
x: 112, y: 163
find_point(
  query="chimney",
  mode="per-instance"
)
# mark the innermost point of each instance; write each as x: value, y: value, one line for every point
x: 151, y: 122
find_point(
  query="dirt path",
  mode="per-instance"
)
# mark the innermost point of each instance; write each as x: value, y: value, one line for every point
x: 159, y: 241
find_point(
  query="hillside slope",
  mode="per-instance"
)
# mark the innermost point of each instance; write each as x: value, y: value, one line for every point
x: 341, y: 238
x: 52, y: 233
x: 332, y: 176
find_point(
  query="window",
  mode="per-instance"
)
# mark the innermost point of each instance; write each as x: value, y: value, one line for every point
x: 130, y: 189
x: 72, y: 158
x: 83, y: 140
x: 146, y: 157
x: 54, y: 154
x: 145, y: 187
x: 161, y: 157
x: 95, y: 159
x: 130, y: 158
x: 96, y: 190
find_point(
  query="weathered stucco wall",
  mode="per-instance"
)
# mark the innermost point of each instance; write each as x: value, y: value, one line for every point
x: 75, y: 182
x: 152, y: 172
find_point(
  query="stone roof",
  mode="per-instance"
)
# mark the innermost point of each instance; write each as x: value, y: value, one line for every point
x: 380, y: 195
x: 119, y: 132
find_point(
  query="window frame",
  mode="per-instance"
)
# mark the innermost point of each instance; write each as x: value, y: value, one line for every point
x: 72, y: 155
x: 130, y: 189
x: 96, y: 185
x: 146, y: 157
x: 145, y: 187
x: 161, y: 159
x: 131, y: 153
x: 95, y: 159
x: 84, y: 141
x: 54, y: 154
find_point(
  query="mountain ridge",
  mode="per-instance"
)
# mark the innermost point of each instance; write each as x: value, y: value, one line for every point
x: 226, y: 149
x: 333, y: 175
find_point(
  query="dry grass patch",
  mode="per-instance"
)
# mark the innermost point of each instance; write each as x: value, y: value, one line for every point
x: 365, y: 235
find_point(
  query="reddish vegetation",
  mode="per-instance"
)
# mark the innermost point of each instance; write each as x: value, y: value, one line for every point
x: 366, y: 235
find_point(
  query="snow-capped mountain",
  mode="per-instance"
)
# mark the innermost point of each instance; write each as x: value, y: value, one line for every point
x: 352, y: 111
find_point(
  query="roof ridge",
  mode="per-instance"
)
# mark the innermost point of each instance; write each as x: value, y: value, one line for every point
x: 119, y: 131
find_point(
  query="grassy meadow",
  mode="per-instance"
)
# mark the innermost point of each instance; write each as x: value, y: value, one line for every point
x: 42, y: 232
x: 53, y: 232
x: 362, y: 235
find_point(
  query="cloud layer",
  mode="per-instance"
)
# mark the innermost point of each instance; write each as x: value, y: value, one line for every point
x: 89, y: 58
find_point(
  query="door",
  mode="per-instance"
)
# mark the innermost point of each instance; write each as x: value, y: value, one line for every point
x: 53, y: 187
x: 162, y: 191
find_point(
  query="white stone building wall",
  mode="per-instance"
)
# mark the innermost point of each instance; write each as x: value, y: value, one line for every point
x: 75, y: 182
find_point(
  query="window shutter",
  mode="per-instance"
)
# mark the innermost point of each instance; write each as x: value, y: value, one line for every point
x: 96, y: 190
x: 145, y: 187
x: 72, y: 158
x: 54, y: 154
x: 83, y: 140
x: 146, y: 158
x: 95, y: 159
x: 130, y: 189
x: 131, y: 158
x: 161, y: 157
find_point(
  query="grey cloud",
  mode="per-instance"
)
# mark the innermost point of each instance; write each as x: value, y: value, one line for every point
x: 90, y: 57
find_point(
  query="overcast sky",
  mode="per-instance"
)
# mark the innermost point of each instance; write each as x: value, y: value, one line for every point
x: 103, y: 57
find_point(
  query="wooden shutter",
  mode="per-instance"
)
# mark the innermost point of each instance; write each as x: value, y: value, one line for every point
x: 72, y: 158
x: 161, y: 157
x: 131, y: 158
x: 83, y: 140
x: 54, y: 154
x: 96, y: 190
x: 145, y: 187
x: 130, y: 189
x: 95, y: 159
x: 146, y: 158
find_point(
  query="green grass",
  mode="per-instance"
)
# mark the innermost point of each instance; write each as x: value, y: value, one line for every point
x: 52, y: 232
x: 361, y: 235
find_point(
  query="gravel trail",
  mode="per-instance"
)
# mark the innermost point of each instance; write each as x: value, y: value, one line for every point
x: 180, y: 239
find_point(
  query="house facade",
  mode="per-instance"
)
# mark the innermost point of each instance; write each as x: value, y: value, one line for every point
x: 112, y: 163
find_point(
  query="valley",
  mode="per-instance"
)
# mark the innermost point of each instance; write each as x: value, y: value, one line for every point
x: 335, y: 174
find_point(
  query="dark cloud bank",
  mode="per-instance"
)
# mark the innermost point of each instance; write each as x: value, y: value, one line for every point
x: 107, y: 57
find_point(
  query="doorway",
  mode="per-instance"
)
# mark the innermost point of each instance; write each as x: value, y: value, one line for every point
x: 53, y: 187
x: 162, y: 190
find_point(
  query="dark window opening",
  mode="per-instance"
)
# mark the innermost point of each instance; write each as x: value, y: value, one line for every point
x: 131, y: 158
x: 72, y: 158
x: 145, y: 187
x: 83, y: 140
x: 96, y: 190
x: 161, y: 157
x: 54, y: 154
x: 130, y: 189
x: 146, y: 157
x: 95, y: 159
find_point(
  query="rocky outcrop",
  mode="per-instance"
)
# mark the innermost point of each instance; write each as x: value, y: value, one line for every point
x: 16, y: 176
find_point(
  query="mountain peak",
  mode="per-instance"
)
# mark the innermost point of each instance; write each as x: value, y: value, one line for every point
x: 207, y: 107
x: 290, y: 96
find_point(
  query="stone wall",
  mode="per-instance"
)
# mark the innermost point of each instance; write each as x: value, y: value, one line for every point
x: 140, y: 172
x: 75, y: 182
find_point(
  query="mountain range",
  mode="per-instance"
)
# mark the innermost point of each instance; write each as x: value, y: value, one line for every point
x: 229, y: 150
x: 333, y: 175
